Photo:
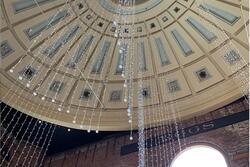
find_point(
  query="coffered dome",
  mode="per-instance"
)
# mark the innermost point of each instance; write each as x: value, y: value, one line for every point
x: 66, y: 62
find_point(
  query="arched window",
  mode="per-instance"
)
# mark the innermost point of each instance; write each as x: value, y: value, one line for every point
x: 200, y: 156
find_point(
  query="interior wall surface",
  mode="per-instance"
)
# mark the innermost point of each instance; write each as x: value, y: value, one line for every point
x: 231, y: 140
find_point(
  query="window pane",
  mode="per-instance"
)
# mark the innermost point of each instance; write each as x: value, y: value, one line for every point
x: 200, y: 156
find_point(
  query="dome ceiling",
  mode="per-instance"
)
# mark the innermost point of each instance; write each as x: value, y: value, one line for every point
x: 61, y: 61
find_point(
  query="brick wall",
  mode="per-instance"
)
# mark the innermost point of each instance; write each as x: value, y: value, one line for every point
x: 18, y: 152
x: 231, y: 140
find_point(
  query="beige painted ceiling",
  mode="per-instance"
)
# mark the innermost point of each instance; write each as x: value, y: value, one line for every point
x: 60, y: 59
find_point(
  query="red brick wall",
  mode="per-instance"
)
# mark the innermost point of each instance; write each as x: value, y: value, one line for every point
x: 231, y: 140
x: 21, y: 153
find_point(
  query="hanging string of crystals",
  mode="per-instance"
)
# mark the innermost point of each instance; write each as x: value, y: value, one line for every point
x: 129, y: 72
x: 129, y: 84
x: 126, y: 55
x: 140, y: 113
